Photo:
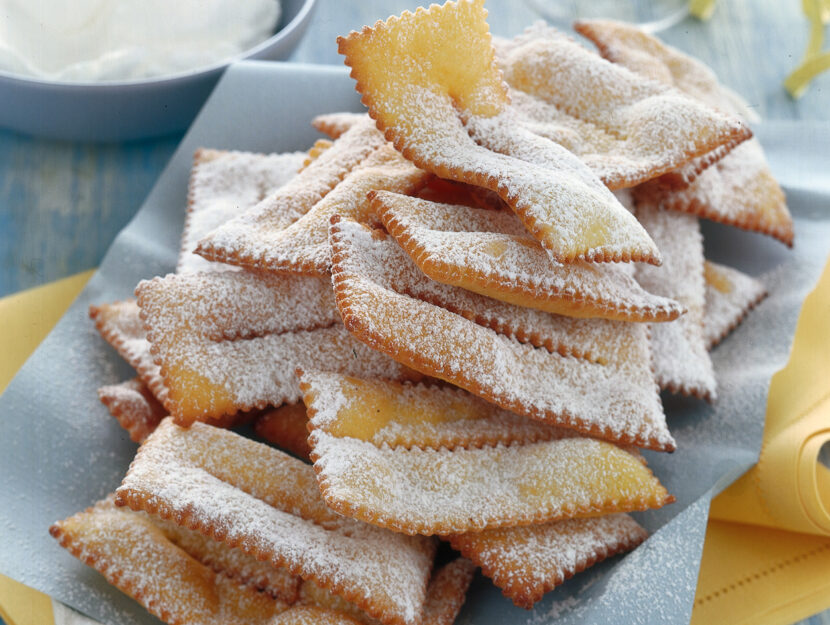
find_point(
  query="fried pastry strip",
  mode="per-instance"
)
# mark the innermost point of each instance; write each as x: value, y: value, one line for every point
x: 208, y: 380
x: 617, y: 401
x: 384, y: 412
x: 246, y: 239
x: 222, y: 185
x: 229, y: 342
x: 138, y: 558
x: 233, y: 305
x: 730, y: 295
x: 138, y: 411
x: 597, y: 340
x: 627, y: 128
x: 490, y: 253
x: 428, y: 491
x: 264, y: 502
x: 303, y: 245
x: 738, y: 190
x: 644, y: 54
x: 447, y: 591
x: 430, y: 78
x: 233, y: 563
x: 527, y: 562
x: 681, y: 361
x: 134, y: 407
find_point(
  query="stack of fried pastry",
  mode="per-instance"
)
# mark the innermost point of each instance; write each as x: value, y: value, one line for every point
x: 460, y: 310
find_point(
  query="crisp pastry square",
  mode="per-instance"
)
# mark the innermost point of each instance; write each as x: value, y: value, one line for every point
x: 134, y: 407
x: 617, y: 401
x: 402, y: 416
x: 119, y: 323
x: 428, y: 491
x: 223, y: 184
x: 628, y: 128
x: 739, y: 189
x: 229, y: 342
x: 248, y: 240
x: 430, y: 81
x: 411, y: 458
x: 446, y: 593
x: 489, y: 252
x: 597, y: 340
x: 266, y: 503
x: 136, y: 556
x: 526, y: 562
x: 681, y: 360
x: 730, y: 295
x: 303, y: 245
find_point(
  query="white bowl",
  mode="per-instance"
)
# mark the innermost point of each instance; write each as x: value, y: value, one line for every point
x: 132, y: 109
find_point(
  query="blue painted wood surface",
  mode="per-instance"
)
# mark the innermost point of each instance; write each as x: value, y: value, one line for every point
x: 61, y: 204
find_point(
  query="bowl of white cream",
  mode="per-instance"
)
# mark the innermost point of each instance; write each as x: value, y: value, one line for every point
x: 114, y: 70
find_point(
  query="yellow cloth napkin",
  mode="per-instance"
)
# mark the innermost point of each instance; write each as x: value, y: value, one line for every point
x: 766, y: 559
x: 25, y: 320
x: 27, y: 317
x: 750, y: 572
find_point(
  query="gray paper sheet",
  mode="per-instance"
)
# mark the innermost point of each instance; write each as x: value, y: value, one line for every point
x: 60, y: 451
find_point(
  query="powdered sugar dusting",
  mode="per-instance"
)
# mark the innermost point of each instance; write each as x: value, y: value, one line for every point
x: 597, y: 340
x: 120, y: 325
x: 235, y: 563
x: 303, y: 245
x: 571, y: 218
x: 257, y: 372
x: 234, y: 305
x: 739, y: 189
x: 581, y: 200
x: 447, y: 591
x: 223, y: 331
x: 644, y: 54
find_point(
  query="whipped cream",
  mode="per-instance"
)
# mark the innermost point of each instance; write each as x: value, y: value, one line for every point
x: 106, y: 40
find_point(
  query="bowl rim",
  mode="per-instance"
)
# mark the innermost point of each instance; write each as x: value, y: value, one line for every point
x: 249, y: 53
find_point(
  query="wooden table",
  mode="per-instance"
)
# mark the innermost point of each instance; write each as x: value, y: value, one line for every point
x: 61, y: 204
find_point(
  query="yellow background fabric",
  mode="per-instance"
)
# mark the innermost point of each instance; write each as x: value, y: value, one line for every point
x: 25, y: 319
x: 766, y: 559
